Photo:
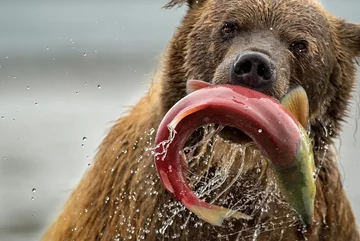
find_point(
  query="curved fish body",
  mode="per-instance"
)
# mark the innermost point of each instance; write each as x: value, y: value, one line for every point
x: 277, y: 132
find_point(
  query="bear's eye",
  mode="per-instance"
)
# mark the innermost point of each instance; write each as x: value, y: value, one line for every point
x: 299, y: 47
x: 228, y: 28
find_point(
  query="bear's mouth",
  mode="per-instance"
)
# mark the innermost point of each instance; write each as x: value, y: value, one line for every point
x: 227, y: 133
x: 237, y: 136
x: 234, y: 135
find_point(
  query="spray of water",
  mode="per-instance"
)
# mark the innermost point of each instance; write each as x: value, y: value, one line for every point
x: 231, y: 175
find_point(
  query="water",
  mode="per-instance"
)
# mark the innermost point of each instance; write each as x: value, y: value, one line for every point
x: 221, y: 185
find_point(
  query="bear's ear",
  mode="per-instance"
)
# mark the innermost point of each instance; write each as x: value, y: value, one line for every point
x: 349, y: 34
x: 190, y: 3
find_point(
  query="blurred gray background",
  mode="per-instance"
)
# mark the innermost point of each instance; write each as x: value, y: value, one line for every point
x: 68, y: 69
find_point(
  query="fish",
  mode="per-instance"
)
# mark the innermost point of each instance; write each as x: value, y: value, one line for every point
x: 278, y: 128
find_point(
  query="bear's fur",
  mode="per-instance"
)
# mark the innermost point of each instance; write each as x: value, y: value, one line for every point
x: 121, y: 197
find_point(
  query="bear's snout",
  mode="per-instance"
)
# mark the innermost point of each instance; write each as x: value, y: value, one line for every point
x: 254, y: 70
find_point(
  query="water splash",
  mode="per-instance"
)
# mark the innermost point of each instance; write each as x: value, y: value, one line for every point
x: 323, y: 149
x: 164, y: 145
x: 230, y: 175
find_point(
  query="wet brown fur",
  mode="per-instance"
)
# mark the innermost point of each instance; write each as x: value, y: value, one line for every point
x: 121, y: 197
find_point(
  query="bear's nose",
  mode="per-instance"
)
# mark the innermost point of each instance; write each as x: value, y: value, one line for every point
x: 254, y: 70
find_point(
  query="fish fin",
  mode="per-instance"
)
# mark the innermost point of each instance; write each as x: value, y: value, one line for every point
x: 215, y: 215
x: 194, y: 85
x: 296, y: 102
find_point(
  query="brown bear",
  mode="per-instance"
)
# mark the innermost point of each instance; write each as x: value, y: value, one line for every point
x: 288, y: 43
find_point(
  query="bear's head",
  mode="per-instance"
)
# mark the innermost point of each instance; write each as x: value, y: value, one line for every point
x: 271, y: 46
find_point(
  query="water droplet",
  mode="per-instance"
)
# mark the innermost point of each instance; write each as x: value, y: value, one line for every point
x: 33, y: 190
x: 47, y: 48
x: 86, y: 210
x: 260, y: 130
x: 14, y: 77
x: 152, y: 130
x: 36, y: 103
x: 89, y: 164
x: 99, y: 86
x: 85, y: 83
x: 84, y: 54
x: 2, y: 117
x: 84, y: 138
x: 76, y: 92
x: 32, y: 198
x: 82, y: 145
x: 107, y: 198
x: 28, y: 87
